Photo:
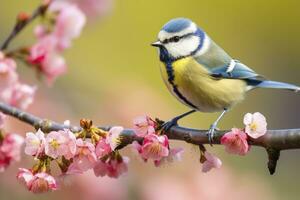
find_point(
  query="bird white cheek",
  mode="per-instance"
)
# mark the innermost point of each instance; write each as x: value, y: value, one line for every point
x: 184, y: 47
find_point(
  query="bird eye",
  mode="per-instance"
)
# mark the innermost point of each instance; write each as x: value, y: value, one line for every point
x: 176, y: 39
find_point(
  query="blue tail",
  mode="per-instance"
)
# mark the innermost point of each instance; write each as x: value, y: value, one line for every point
x: 278, y: 85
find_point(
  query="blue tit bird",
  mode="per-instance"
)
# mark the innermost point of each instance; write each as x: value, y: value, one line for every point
x: 201, y: 75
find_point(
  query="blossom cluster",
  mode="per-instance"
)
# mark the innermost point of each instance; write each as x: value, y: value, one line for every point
x: 75, y: 153
x: 63, y: 23
x: 154, y: 146
x: 12, y: 90
x: 236, y: 141
x: 10, y: 146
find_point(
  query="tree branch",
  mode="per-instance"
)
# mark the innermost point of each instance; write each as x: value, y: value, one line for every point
x: 273, y: 141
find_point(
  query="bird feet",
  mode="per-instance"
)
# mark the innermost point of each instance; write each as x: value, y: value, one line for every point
x: 165, y: 127
x: 211, y: 133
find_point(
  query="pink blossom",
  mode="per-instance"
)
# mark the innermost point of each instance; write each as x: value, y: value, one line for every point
x: 44, y: 55
x: 112, y: 167
x: 40, y: 31
x: 2, y: 119
x: 25, y: 176
x: 19, y: 95
x: 84, y: 159
x: 211, y: 162
x: 35, y: 143
x: 144, y: 125
x: 10, y: 149
x: 113, y: 138
x: 53, y: 66
x: 235, y: 142
x: 60, y: 143
x: 102, y: 148
x: 175, y: 154
x: 94, y: 8
x: 256, y: 124
x: 39, y: 51
x: 42, y: 182
x: 8, y: 74
x: 37, y: 183
x: 69, y: 22
x: 154, y: 147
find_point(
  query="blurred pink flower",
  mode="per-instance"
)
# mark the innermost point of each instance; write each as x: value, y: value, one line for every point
x: 36, y: 183
x: 2, y: 119
x: 8, y: 74
x: 94, y: 8
x: 256, y: 124
x: 69, y: 22
x: 19, y: 95
x: 175, y: 154
x: 40, y: 31
x: 235, y: 142
x: 10, y: 149
x: 113, y: 138
x: 60, y: 143
x: 143, y: 125
x: 84, y: 159
x: 211, y: 162
x: 112, y: 167
x: 35, y: 143
x: 45, y: 56
x: 102, y: 148
x: 154, y: 147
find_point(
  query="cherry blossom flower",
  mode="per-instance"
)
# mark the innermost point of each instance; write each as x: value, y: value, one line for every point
x: 19, y: 95
x: 69, y: 22
x: 256, y: 124
x: 49, y: 62
x: 84, y: 159
x: 235, y: 142
x: 35, y: 143
x: 61, y: 143
x: 103, y: 148
x: 112, y: 167
x: 113, y: 138
x: 8, y: 74
x: 10, y: 149
x: 143, y: 125
x: 94, y: 8
x: 175, y: 154
x: 37, y: 183
x: 211, y: 161
x: 154, y: 147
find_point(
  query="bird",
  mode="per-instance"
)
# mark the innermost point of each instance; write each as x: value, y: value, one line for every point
x: 203, y: 76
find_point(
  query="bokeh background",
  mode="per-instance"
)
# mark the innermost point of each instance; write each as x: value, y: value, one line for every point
x: 114, y: 76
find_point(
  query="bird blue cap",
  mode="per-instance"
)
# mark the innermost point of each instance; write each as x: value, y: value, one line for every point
x: 176, y: 25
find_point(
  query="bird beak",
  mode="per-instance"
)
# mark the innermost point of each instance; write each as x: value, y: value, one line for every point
x: 156, y: 44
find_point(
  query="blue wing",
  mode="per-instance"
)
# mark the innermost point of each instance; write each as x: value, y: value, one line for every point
x: 237, y: 71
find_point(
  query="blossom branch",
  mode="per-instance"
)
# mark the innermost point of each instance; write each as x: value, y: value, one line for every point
x: 22, y: 21
x: 273, y: 141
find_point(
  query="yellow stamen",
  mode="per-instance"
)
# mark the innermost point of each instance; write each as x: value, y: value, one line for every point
x: 54, y: 144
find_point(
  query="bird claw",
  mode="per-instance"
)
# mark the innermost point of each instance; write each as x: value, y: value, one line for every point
x: 167, y: 125
x: 211, y: 133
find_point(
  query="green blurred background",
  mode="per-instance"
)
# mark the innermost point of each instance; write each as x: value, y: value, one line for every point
x: 114, y: 76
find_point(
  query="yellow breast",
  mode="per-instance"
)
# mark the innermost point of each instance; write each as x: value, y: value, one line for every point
x: 194, y: 83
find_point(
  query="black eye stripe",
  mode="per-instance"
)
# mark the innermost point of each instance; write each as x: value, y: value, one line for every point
x: 176, y: 38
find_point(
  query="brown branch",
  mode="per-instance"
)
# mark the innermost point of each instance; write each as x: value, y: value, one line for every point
x: 273, y: 141
x: 22, y: 23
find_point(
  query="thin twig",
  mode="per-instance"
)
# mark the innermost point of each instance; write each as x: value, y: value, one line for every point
x: 21, y: 24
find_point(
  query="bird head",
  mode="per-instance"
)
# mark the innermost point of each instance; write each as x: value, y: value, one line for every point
x: 179, y: 38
